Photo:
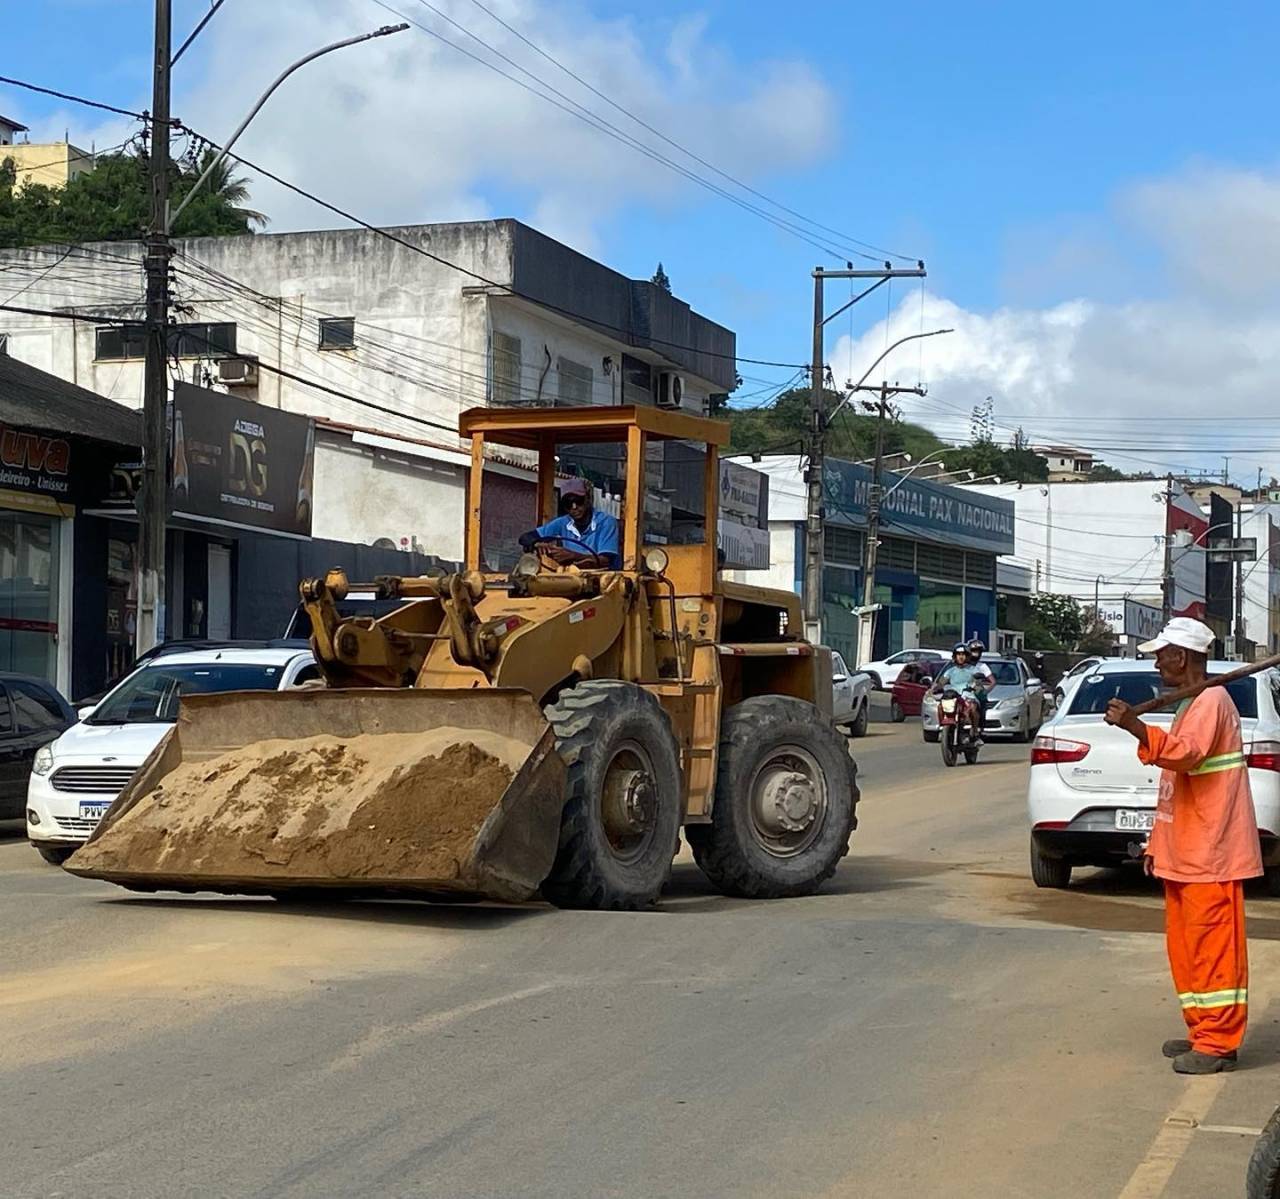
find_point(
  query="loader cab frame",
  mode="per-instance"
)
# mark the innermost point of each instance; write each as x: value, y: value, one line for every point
x: 691, y: 567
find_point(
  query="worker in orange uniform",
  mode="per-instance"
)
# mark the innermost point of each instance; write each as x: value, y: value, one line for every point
x: 1203, y: 846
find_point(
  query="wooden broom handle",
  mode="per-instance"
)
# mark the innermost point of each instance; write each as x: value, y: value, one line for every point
x: 1217, y: 680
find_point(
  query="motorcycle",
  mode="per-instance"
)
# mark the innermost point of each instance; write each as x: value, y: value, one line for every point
x: 957, y: 722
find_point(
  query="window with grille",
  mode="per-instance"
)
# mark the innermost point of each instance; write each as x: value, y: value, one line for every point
x: 185, y: 341
x: 506, y: 369
x: 980, y: 570
x: 897, y: 553
x: 940, y: 562
x: 575, y: 382
x: 337, y: 332
x: 842, y: 545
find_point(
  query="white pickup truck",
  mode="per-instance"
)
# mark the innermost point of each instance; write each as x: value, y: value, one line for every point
x: 850, y: 697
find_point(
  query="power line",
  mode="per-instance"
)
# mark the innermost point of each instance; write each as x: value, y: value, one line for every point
x: 48, y: 91
x: 683, y: 149
x: 502, y: 287
x: 575, y: 109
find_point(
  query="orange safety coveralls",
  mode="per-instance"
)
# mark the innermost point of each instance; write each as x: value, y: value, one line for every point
x: 1203, y: 845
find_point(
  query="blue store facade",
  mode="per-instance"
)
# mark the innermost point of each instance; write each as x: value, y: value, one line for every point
x: 936, y: 565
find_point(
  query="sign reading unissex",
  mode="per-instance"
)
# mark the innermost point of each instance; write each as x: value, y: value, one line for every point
x: 240, y: 464
x: 941, y: 512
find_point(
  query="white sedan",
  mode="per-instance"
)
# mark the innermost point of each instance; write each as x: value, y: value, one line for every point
x: 1092, y: 803
x: 884, y: 673
x: 75, y: 779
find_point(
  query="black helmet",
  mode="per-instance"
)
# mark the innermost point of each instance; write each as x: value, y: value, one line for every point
x: 959, y: 648
x: 976, y: 647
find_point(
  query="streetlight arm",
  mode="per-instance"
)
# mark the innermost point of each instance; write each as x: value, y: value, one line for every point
x: 901, y: 341
x: 905, y: 476
x: 253, y: 112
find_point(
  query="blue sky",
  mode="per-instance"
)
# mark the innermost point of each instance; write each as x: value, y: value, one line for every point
x: 1058, y: 166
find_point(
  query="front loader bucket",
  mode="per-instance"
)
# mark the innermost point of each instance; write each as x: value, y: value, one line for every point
x: 439, y: 792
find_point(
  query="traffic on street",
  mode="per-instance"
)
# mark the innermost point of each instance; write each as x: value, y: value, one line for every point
x: 375, y: 1048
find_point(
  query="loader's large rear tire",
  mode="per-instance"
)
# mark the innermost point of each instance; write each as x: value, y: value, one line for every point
x: 786, y: 794
x: 622, y: 811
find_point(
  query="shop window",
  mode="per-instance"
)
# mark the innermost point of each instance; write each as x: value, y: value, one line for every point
x: 842, y: 546
x: 939, y: 614
x: 980, y: 569
x: 337, y: 332
x: 35, y: 708
x: 506, y: 369
x: 940, y: 562
x: 575, y: 383
x: 28, y: 593
x: 897, y: 553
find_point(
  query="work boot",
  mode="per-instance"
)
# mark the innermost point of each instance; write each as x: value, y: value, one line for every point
x: 1175, y: 1048
x: 1195, y: 1062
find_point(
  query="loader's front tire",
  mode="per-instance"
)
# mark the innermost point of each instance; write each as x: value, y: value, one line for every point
x: 786, y: 793
x: 622, y: 811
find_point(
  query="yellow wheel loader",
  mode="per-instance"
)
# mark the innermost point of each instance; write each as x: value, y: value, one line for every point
x: 499, y: 734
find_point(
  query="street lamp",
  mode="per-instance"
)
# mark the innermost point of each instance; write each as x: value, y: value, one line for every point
x: 904, y: 476
x: 253, y: 112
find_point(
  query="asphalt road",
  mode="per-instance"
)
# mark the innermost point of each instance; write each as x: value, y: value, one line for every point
x: 929, y: 1025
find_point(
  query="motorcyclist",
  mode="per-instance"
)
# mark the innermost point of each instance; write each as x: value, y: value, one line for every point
x: 967, y: 679
x: 975, y: 649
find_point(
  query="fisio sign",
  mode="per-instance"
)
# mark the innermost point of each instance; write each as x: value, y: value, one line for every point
x: 34, y: 462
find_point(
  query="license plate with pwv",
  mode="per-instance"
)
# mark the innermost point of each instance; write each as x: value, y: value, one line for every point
x: 1140, y: 820
x: 94, y: 809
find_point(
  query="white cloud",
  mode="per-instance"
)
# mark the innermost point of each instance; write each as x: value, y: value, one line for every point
x: 405, y: 129
x: 1068, y: 370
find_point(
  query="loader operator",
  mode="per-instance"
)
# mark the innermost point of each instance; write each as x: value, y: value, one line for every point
x: 582, y: 537
x: 1204, y: 844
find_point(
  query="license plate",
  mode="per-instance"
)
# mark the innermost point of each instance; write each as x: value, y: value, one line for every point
x: 1139, y: 820
x: 94, y: 809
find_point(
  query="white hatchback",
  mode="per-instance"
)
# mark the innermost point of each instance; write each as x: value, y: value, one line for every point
x: 1092, y: 803
x: 75, y: 778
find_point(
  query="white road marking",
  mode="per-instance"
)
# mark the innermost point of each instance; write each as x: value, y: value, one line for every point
x: 1151, y: 1177
x: 385, y: 1036
x: 1235, y: 1129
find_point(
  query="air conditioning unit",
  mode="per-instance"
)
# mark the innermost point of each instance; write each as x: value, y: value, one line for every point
x: 238, y: 372
x: 670, y: 390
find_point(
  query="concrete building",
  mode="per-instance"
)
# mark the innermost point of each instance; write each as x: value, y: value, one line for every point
x: 1105, y: 542
x: 936, y: 562
x: 1066, y: 463
x: 384, y: 340
x: 54, y: 164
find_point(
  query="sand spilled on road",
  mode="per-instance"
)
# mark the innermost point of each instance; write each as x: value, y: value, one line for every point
x: 388, y: 806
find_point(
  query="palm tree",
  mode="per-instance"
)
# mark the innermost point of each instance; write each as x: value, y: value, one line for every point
x: 231, y: 190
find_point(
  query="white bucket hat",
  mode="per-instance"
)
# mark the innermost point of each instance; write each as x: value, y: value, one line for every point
x: 1182, y: 631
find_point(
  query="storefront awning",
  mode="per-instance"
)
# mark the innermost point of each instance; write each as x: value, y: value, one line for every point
x: 35, y: 399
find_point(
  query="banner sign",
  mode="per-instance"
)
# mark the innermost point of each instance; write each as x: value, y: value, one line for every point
x: 37, y: 464
x: 744, y: 547
x: 240, y: 463
x: 740, y: 489
x: 935, y: 511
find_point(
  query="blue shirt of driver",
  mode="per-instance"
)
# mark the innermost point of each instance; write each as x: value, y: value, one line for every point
x: 599, y: 537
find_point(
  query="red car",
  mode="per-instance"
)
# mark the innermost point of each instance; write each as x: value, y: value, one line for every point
x: 913, y: 681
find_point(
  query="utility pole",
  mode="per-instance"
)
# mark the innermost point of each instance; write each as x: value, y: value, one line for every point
x: 867, y: 618
x: 153, y: 493
x: 815, y: 548
x: 1167, y: 589
x: 1239, y: 616
x: 814, y: 540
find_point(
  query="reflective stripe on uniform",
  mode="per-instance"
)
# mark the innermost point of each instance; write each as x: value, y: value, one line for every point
x: 1207, y: 999
x: 1221, y: 762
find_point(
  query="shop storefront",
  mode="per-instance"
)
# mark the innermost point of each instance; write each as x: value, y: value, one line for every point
x: 936, y: 561
x: 58, y: 446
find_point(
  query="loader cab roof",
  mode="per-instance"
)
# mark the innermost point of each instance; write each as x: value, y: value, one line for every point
x: 527, y: 427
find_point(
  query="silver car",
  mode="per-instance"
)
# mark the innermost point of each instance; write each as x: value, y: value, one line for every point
x: 1015, y: 706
